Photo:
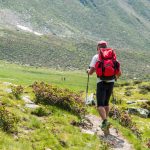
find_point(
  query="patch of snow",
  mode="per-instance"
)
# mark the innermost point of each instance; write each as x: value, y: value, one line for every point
x: 37, y: 33
x: 28, y: 30
x: 24, y: 28
x: 148, y: 66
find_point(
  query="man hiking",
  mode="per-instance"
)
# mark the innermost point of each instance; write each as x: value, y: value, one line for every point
x: 107, y: 68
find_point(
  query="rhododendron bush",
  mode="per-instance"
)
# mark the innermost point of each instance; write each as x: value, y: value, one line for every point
x: 63, y: 98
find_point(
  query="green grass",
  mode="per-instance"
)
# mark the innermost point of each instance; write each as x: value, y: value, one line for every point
x: 137, y: 144
x: 54, y: 131
x: 75, y: 80
x: 143, y: 124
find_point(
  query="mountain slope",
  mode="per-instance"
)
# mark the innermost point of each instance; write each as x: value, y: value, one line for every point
x: 124, y: 21
x: 63, y: 34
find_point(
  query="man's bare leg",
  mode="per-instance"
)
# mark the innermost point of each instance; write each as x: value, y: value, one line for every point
x: 102, y: 112
x: 107, y: 111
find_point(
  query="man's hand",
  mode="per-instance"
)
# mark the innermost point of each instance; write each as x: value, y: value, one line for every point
x: 118, y: 75
x: 87, y: 71
x: 91, y: 70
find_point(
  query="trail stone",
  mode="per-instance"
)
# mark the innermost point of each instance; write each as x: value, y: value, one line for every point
x: 27, y: 99
x: 32, y: 106
x: 29, y: 103
x: 8, y: 90
x: 130, y: 102
x: 139, y: 111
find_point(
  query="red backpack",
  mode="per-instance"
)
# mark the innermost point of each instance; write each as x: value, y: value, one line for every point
x: 107, y: 65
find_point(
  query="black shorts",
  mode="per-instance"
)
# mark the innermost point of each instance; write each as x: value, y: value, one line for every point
x: 103, y: 93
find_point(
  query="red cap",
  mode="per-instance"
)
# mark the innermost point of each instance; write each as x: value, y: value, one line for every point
x: 102, y: 43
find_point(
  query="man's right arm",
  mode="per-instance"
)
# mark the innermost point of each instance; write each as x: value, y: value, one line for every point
x: 91, y: 70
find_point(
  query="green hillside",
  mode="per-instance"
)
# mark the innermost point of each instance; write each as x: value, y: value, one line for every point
x: 65, y: 53
x: 69, y: 32
x: 124, y: 21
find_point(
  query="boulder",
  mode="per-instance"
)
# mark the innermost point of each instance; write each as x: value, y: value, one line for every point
x: 130, y: 102
x: 139, y: 111
x: 90, y: 100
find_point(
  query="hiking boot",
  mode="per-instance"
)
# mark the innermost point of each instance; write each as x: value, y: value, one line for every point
x: 105, y: 125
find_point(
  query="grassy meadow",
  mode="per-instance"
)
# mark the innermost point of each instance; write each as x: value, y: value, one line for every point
x: 55, y: 131
x: 18, y: 74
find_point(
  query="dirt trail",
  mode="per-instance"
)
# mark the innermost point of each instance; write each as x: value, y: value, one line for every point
x: 116, y: 140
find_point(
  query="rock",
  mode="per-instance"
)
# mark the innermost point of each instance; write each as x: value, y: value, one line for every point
x: 32, y: 106
x: 15, y: 137
x: 130, y: 102
x: 87, y: 131
x: 7, y: 83
x: 90, y: 100
x: 48, y: 149
x: 135, y: 101
x: 142, y: 100
x: 139, y: 111
x: 143, y: 112
x: 8, y: 90
x: 27, y: 99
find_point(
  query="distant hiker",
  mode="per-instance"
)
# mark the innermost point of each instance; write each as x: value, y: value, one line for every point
x: 107, y: 68
x: 63, y: 78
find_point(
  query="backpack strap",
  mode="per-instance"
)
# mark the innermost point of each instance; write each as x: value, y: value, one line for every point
x: 101, y: 61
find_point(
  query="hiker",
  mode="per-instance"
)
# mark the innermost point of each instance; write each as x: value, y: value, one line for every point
x: 105, y: 78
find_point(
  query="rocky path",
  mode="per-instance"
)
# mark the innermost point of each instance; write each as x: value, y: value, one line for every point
x: 115, y: 139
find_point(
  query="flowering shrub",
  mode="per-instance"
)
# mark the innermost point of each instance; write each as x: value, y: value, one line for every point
x: 144, y: 89
x: 125, y: 120
x: 17, y: 91
x: 63, y: 98
x: 7, y: 120
x: 148, y: 143
x: 146, y: 105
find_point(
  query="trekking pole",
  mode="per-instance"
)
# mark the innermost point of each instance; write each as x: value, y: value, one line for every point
x: 115, y: 110
x: 114, y: 105
x: 114, y: 99
x: 87, y: 87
